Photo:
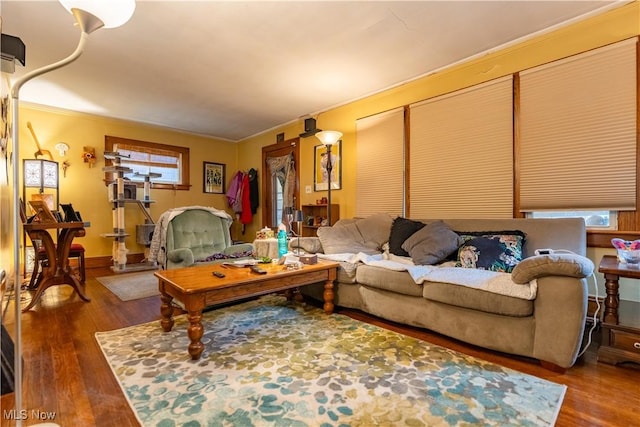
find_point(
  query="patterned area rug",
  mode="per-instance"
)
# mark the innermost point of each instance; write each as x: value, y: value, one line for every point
x: 272, y: 363
x: 131, y: 286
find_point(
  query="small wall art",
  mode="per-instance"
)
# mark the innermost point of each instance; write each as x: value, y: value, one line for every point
x: 321, y: 176
x: 213, y: 178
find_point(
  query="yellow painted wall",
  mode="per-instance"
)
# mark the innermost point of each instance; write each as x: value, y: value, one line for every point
x: 84, y: 187
x: 615, y: 25
x: 6, y: 224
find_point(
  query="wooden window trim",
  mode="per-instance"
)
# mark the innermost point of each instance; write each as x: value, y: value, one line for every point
x: 110, y: 141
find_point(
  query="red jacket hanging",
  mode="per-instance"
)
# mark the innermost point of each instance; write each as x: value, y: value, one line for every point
x: 246, y: 216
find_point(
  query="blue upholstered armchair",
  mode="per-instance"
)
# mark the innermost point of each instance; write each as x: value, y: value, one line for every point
x: 194, y: 235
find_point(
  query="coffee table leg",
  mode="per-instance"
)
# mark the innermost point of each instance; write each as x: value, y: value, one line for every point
x: 195, y: 332
x: 328, y: 296
x: 166, y: 310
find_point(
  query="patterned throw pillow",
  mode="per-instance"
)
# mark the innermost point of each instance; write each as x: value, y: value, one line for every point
x: 495, y: 251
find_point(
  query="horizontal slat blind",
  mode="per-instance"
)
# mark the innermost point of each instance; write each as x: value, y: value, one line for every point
x: 578, y: 132
x: 380, y: 164
x: 462, y: 153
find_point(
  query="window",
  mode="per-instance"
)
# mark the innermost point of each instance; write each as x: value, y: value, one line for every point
x: 281, y: 177
x: 577, y: 122
x: 143, y: 157
x: 278, y: 195
x: 462, y: 153
x: 380, y: 164
x: 604, y: 220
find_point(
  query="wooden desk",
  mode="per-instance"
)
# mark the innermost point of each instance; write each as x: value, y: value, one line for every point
x: 58, y: 271
x: 197, y: 288
x: 621, y: 323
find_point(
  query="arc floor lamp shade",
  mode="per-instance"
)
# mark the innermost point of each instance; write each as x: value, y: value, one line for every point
x: 112, y: 13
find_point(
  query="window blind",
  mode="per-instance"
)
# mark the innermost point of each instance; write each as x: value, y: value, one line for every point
x: 578, y: 132
x: 380, y: 164
x: 462, y: 153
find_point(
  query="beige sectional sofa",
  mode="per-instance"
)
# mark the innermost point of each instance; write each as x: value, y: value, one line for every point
x: 548, y: 327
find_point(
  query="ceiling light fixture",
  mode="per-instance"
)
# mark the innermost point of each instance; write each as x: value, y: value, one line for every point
x: 90, y: 15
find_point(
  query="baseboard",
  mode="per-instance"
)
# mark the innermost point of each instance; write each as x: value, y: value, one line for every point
x: 107, y: 261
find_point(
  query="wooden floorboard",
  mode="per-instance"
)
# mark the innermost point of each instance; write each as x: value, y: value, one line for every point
x: 65, y: 371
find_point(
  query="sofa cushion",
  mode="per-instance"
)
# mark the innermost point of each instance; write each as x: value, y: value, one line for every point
x: 362, y: 235
x: 432, y: 243
x: 310, y: 245
x: 401, y: 230
x: 493, y: 250
x: 388, y: 280
x: 347, y: 272
x: 341, y: 239
x: 571, y: 265
x: 375, y: 229
x: 476, y: 299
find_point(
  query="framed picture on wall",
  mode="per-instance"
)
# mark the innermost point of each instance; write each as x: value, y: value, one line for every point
x: 213, y: 178
x: 320, y: 162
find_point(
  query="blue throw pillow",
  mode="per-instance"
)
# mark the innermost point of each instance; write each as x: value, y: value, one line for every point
x: 495, y: 251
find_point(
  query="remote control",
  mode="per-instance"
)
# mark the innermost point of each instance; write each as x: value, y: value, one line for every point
x: 218, y: 274
x: 258, y: 270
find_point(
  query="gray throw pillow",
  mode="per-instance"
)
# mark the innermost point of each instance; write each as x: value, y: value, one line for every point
x: 345, y: 238
x: 375, y: 229
x: 432, y: 244
x: 401, y: 230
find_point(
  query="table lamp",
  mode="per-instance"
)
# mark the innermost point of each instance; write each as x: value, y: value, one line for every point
x: 298, y: 218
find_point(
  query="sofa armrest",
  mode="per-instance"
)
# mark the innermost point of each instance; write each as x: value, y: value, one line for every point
x: 181, y: 257
x: 310, y: 245
x: 535, y: 267
x: 238, y: 248
x: 560, y: 311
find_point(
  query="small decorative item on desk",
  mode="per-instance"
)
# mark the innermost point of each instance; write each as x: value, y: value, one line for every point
x: 265, y: 233
x: 309, y: 259
x: 628, y: 251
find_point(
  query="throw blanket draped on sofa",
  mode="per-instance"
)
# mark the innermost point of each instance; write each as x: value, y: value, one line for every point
x: 490, y: 281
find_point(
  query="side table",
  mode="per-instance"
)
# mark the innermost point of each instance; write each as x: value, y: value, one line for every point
x: 621, y: 320
x: 266, y: 248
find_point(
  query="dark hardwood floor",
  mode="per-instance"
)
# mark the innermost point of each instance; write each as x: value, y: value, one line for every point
x: 65, y: 372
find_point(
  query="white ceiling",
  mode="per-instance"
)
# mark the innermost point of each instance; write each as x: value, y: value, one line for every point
x: 233, y: 69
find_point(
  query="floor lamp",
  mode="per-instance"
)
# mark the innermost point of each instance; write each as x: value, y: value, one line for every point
x: 90, y: 16
x: 329, y: 138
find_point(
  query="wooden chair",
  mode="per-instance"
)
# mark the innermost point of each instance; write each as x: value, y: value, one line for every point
x: 76, y: 251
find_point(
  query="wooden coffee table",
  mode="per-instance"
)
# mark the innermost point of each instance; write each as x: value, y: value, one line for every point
x: 197, y: 288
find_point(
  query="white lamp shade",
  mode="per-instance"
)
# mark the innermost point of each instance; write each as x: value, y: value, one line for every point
x: 40, y: 173
x: 329, y: 137
x: 113, y: 13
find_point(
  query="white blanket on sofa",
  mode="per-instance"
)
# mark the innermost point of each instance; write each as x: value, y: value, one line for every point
x: 490, y: 281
